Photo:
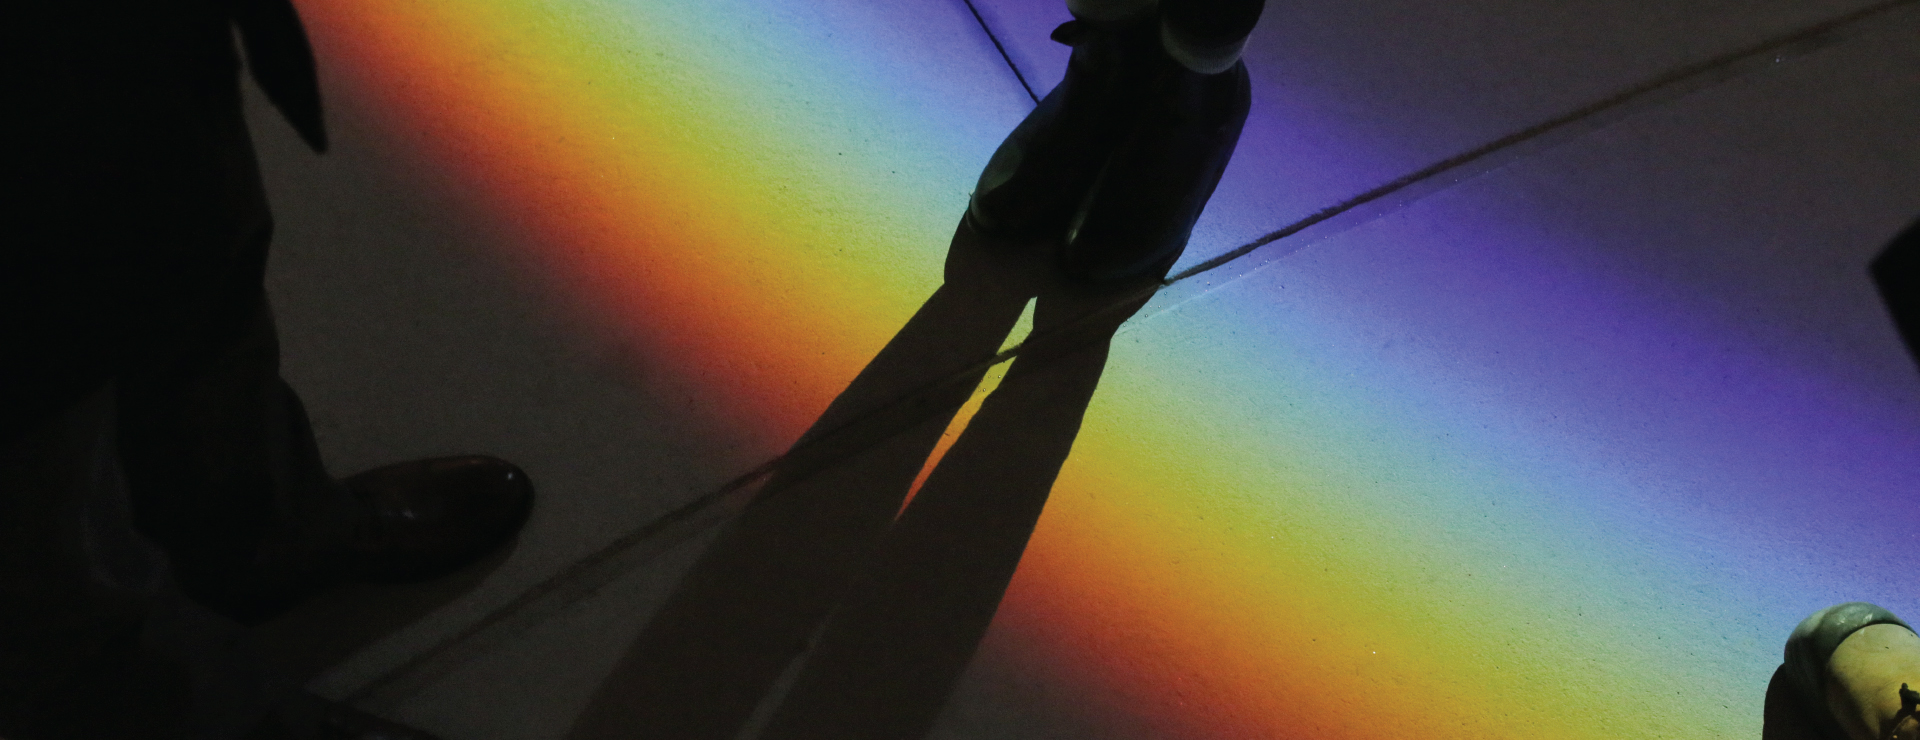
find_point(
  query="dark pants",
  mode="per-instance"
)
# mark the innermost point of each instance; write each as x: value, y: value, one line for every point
x: 154, y: 469
x: 136, y: 246
x: 146, y: 522
x: 99, y: 642
x: 225, y: 477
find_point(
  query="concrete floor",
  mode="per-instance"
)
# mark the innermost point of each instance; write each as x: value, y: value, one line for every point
x: 1733, y: 210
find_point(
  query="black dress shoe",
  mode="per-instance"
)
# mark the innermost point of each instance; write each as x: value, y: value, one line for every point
x: 1038, y: 175
x: 424, y: 519
x: 402, y: 523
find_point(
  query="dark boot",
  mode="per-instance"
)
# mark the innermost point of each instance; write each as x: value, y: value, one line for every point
x: 1043, y: 168
x: 225, y: 476
x: 424, y: 519
x: 1136, y: 218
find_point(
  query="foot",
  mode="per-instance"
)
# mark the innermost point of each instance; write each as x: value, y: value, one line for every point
x: 402, y: 523
x: 1040, y: 172
x: 424, y: 519
x: 1137, y: 215
x: 1136, y: 218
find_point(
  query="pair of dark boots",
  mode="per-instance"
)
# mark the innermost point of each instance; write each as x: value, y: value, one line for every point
x: 1118, y: 161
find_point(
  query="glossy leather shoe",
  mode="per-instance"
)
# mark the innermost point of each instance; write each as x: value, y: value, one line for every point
x: 1138, y: 214
x: 424, y: 519
x: 1041, y: 171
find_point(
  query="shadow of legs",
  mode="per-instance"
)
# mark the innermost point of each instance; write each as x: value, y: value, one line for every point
x: 889, y: 657
x: 748, y: 607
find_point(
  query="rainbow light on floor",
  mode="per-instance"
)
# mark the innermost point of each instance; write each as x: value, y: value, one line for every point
x: 1547, y: 518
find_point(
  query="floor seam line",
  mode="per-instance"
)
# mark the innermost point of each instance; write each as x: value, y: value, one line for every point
x: 1535, y: 131
x: 995, y: 38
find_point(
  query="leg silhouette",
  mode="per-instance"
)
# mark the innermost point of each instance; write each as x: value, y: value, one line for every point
x: 747, y: 608
x: 890, y: 656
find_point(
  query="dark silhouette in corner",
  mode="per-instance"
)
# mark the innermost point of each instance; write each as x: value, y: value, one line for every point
x: 160, y: 488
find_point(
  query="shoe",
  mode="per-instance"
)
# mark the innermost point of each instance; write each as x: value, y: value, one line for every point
x: 1845, y: 695
x: 1040, y: 172
x: 403, y: 523
x: 1136, y: 218
x: 424, y: 519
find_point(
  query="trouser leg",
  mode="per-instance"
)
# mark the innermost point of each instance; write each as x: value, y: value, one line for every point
x: 98, y: 643
x: 72, y: 603
x: 226, y: 477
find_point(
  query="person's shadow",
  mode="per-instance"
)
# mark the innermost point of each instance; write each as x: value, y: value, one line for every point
x: 892, y: 603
